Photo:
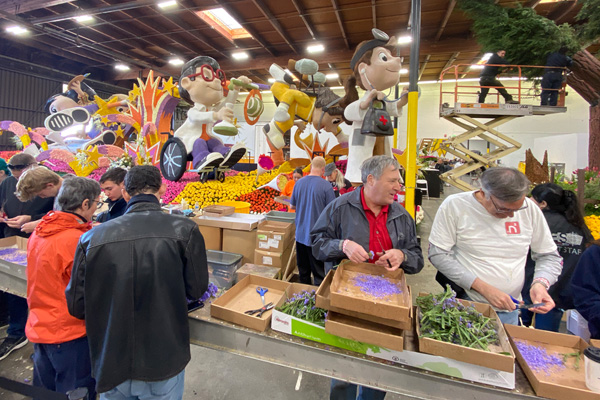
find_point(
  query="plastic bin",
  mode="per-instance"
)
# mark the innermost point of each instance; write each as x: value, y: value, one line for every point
x: 241, y: 207
x: 222, y: 267
x: 281, y: 216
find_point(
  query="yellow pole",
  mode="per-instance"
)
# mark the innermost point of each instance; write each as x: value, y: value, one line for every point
x: 411, y: 148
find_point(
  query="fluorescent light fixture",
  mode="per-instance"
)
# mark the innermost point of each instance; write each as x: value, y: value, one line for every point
x: 167, y: 4
x: 404, y: 39
x: 82, y: 19
x: 16, y: 30
x: 332, y: 76
x: 176, y: 61
x: 226, y: 18
x: 486, y: 56
x: 271, y: 80
x: 121, y: 67
x: 478, y: 66
x: 240, y: 55
x: 315, y: 48
x: 403, y: 71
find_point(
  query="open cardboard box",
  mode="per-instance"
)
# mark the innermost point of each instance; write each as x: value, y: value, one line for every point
x: 243, y: 297
x: 561, y: 384
x: 324, y: 301
x: 364, y: 331
x: 490, y: 359
x: 216, y: 210
x: 346, y: 296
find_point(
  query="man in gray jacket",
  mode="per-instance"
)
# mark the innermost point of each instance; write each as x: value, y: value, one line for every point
x: 367, y: 225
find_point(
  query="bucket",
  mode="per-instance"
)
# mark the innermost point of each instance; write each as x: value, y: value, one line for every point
x: 241, y: 207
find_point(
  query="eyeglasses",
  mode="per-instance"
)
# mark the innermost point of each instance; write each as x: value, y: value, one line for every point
x: 502, y: 210
x: 100, y: 203
x: 20, y: 166
x: 209, y: 74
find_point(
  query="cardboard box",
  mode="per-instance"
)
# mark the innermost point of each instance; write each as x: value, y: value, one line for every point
x: 259, y: 270
x: 595, y: 342
x: 273, y: 259
x: 13, y: 277
x: 324, y: 301
x: 490, y: 359
x: 274, y: 236
x: 410, y: 356
x: 243, y: 297
x: 563, y: 384
x: 213, y: 237
x: 364, y: 331
x: 241, y: 222
x: 217, y: 211
x: 347, y: 296
x: 240, y: 242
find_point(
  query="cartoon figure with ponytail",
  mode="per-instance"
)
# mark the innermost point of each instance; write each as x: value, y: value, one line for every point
x: 375, y: 69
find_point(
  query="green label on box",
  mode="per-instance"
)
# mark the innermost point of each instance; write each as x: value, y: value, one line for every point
x: 318, y: 334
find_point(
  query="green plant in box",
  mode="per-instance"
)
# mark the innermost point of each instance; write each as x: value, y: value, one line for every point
x: 302, y: 305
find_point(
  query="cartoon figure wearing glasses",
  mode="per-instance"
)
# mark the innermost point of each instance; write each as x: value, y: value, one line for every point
x: 202, y: 83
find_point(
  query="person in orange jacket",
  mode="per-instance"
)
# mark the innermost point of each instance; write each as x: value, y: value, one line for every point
x: 289, y: 187
x: 61, y: 358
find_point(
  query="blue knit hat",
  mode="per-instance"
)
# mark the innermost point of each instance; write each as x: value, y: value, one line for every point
x: 4, y: 167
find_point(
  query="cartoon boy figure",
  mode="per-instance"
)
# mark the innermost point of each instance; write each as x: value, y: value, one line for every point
x: 202, y: 82
x: 376, y: 69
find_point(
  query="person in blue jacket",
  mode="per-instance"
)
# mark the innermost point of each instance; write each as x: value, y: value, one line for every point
x: 553, y: 77
x: 585, y: 286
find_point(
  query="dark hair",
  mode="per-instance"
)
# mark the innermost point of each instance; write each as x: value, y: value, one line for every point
x: 560, y: 200
x: 563, y: 49
x: 325, y: 96
x: 142, y: 179
x: 116, y: 175
x: 189, y: 68
x: 298, y: 171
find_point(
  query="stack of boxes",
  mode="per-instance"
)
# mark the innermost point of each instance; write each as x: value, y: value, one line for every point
x: 274, y: 244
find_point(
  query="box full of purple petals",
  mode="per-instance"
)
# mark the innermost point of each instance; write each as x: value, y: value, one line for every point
x: 371, y: 289
x: 13, y: 262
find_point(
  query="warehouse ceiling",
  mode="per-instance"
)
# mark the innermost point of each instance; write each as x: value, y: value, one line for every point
x: 95, y: 35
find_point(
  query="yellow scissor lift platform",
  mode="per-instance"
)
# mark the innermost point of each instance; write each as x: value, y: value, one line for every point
x: 481, y: 120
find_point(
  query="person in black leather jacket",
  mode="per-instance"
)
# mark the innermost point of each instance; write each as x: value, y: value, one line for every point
x: 130, y: 282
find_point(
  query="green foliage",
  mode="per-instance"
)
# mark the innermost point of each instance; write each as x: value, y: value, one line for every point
x: 527, y: 37
x: 590, y: 13
x: 591, y: 188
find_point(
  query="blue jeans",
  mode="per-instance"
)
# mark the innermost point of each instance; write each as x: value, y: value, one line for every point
x: 63, y: 367
x: 17, y: 315
x: 549, y: 321
x: 341, y: 390
x: 169, y: 389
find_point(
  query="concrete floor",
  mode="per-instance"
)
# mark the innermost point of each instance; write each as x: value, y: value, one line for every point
x: 215, y: 375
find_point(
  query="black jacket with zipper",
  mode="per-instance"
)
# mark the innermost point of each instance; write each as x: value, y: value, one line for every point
x: 130, y: 280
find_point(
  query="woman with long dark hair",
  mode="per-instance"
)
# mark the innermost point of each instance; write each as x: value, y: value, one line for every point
x: 571, y: 235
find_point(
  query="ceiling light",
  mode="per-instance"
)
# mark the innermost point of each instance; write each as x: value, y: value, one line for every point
x: 226, y: 18
x: 121, y: 67
x: 176, y: 61
x: 478, y: 66
x: 486, y: 57
x: 167, y: 4
x: 404, y: 39
x: 403, y: 71
x: 315, y: 48
x: 332, y: 76
x: 82, y: 19
x: 240, y: 55
x: 16, y: 30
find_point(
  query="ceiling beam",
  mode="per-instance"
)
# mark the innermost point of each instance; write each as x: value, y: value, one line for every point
x: 338, y: 15
x: 22, y: 6
x: 304, y: 17
x: 264, y: 9
x: 451, y: 60
x: 193, y: 31
x: 532, y: 3
x: 92, y: 11
x: 445, y: 20
x: 255, y: 35
x: 562, y: 11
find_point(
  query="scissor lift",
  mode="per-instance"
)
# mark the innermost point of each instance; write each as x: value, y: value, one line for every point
x: 481, y: 120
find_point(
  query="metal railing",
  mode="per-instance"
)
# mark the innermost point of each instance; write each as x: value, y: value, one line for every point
x: 465, y: 71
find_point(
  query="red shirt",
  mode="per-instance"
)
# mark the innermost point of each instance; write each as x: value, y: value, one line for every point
x: 379, y: 237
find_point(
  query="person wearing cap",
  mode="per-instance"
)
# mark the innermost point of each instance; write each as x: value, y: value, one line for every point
x: 375, y: 69
x: 15, y: 214
x: 340, y: 184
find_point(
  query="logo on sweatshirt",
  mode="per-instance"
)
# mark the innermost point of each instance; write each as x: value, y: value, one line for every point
x: 512, y: 228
